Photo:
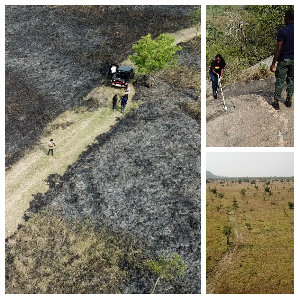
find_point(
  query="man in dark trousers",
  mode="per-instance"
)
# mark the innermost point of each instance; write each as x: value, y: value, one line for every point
x: 123, y: 102
x: 284, y: 56
x: 216, y: 73
x: 51, y: 146
x: 115, y: 99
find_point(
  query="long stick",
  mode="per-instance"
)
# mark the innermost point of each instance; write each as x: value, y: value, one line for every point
x: 219, y: 81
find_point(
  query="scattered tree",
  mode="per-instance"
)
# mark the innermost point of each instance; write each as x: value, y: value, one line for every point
x: 248, y: 226
x: 291, y: 205
x: 227, y: 231
x: 243, y: 192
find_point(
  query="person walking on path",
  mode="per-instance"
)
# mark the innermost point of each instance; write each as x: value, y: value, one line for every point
x: 284, y: 56
x: 51, y: 146
x: 124, y: 100
x: 115, y: 99
x: 216, y: 72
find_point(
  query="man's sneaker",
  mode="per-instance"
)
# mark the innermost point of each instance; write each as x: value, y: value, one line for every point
x: 288, y: 102
x: 275, y: 104
x: 215, y: 95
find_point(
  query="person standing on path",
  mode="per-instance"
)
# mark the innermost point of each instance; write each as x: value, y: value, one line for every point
x: 127, y: 90
x: 123, y: 102
x: 284, y: 56
x: 115, y: 99
x: 51, y: 146
x: 216, y: 71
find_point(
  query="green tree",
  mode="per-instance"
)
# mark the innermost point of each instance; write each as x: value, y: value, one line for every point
x: 166, y: 268
x: 243, y: 192
x: 155, y: 55
x: 227, y: 232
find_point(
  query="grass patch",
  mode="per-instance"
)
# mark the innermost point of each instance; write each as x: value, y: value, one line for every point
x: 264, y: 258
x: 50, y: 255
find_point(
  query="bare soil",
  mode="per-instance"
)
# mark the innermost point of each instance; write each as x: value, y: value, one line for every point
x: 250, y: 120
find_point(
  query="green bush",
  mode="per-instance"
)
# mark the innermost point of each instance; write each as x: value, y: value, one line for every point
x: 166, y: 268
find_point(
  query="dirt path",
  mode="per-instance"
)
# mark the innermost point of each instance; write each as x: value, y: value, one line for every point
x: 227, y: 259
x: 27, y: 176
x: 75, y: 131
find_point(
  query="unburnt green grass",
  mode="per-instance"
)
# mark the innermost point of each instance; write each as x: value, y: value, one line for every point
x: 260, y: 254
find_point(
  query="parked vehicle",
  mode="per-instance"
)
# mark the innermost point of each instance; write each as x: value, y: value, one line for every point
x: 122, y: 76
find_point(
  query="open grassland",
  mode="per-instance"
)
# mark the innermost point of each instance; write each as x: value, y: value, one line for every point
x: 260, y: 255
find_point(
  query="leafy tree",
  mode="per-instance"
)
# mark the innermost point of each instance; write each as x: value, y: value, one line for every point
x: 155, y: 55
x: 227, y: 231
x: 213, y: 190
x: 243, y: 192
x: 166, y: 268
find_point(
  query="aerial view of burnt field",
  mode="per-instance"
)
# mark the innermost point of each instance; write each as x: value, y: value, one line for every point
x: 116, y: 208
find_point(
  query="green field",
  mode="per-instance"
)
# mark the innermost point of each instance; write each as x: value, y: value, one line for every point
x: 260, y: 255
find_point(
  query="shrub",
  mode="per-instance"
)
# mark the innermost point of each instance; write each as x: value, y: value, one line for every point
x: 166, y: 268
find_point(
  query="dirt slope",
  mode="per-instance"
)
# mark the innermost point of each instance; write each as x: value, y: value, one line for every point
x: 250, y: 120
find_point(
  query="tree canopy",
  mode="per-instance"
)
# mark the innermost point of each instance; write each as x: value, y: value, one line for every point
x: 153, y: 55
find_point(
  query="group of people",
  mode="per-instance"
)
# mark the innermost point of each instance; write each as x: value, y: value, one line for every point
x: 123, y: 100
x: 283, y: 55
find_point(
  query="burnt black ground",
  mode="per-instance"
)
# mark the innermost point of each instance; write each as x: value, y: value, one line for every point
x: 143, y: 178
x: 56, y: 54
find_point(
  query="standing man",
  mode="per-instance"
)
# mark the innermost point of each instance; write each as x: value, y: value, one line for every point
x: 284, y: 55
x: 123, y: 103
x: 115, y: 99
x: 51, y: 146
x: 216, y: 71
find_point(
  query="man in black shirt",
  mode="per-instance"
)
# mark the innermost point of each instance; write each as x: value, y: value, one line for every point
x: 216, y: 70
x: 284, y: 55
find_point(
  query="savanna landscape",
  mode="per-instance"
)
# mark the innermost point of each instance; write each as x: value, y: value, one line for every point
x: 250, y: 236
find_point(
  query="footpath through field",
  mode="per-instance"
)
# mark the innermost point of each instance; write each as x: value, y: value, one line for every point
x: 227, y: 259
x: 75, y: 130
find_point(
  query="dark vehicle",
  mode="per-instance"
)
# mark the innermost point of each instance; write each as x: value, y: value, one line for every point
x: 122, y: 77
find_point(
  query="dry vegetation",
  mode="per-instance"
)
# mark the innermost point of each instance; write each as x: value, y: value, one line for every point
x: 260, y: 256
x: 52, y: 255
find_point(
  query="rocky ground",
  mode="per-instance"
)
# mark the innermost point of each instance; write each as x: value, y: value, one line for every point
x: 250, y: 120
x: 56, y: 54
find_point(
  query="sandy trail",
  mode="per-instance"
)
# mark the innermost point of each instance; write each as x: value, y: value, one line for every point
x: 227, y: 259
